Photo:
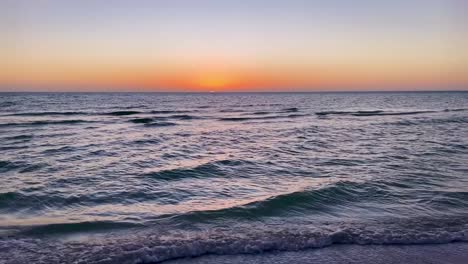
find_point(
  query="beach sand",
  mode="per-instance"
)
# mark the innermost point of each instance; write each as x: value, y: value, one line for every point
x: 453, y: 253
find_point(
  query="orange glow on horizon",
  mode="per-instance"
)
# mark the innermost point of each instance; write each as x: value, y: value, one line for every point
x: 203, y: 78
x: 213, y: 81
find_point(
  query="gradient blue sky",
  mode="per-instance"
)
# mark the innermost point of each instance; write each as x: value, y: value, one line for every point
x: 233, y: 45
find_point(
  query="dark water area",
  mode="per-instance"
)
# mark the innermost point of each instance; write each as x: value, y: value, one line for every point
x: 150, y: 177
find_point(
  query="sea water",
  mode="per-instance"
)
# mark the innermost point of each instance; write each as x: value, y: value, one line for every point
x: 149, y: 177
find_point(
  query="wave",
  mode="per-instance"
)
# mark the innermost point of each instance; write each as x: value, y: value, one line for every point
x: 149, y: 120
x: 64, y: 228
x: 160, y: 124
x: 306, y: 201
x: 259, y: 239
x: 115, y: 113
x: 63, y: 149
x: 231, y: 111
x: 260, y: 113
x: 134, y: 106
x: 146, y: 141
x: 370, y: 113
x: 183, y: 117
x: 285, y: 110
x: 50, y: 114
x: 292, y: 109
x: 33, y: 167
x: 170, y: 111
x: 6, y: 166
x: 18, y: 200
x: 321, y: 200
x: 7, y: 104
x: 456, y: 110
x: 383, y: 113
x: 142, y: 120
x: 153, y: 246
x: 13, y: 148
x: 43, y: 123
x: 237, y: 119
x: 20, y: 137
x: 432, y: 121
x: 210, y: 169
x: 123, y: 113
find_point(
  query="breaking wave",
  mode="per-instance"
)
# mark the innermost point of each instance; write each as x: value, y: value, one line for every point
x: 151, y: 246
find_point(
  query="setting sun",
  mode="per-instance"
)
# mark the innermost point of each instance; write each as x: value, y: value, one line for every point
x: 214, y: 81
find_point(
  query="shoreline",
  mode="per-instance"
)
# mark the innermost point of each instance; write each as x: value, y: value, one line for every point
x: 450, y: 253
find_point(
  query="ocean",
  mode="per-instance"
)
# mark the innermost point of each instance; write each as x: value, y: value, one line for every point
x: 153, y: 177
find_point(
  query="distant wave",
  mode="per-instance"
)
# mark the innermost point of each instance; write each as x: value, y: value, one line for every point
x: 181, y: 114
x: 432, y: 121
x: 183, y: 117
x: 237, y: 119
x: 206, y: 170
x: 33, y: 167
x: 231, y: 110
x: 142, y: 120
x: 456, y: 110
x: 382, y: 113
x: 260, y: 113
x: 19, y: 166
x: 50, y: 114
x: 292, y: 109
x: 286, y: 110
x: 7, y: 104
x: 114, y: 113
x: 160, y: 124
x: 123, y: 113
x: 146, y: 141
x: 18, y: 200
x: 8, y: 165
x: 370, y: 113
x: 150, y: 120
x: 134, y: 106
x: 15, y: 147
x: 43, y: 123
x: 170, y: 111
x: 20, y: 137
x: 209, y: 169
x: 59, y: 150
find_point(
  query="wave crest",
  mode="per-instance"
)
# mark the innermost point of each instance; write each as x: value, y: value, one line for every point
x: 382, y: 113
x: 153, y: 246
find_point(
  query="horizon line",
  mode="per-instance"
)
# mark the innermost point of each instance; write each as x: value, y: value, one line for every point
x: 244, y: 92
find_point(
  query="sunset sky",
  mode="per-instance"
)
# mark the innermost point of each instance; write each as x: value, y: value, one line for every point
x: 258, y: 45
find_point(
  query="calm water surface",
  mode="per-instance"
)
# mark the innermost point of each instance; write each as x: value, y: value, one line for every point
x: 136, y: 178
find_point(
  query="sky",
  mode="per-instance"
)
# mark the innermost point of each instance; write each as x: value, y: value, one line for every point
x: 256, y: 45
